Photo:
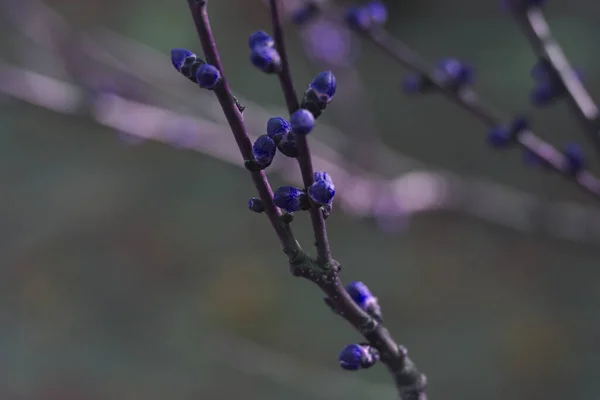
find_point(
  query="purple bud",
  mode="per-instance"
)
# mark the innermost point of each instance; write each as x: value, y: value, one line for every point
x: 263, y: 150
x: 277, y: 127
x: 179, y: 57
x: 358, y: 18
x: 378, y: 12
x: 543, y: 94
x: 302, y: 121
x: 322, y: 176
x: 208, y: 76
x: 289, y: 198
x: 322, y: 192
x: 256, y: 205
x: 357, y: 356
x: 575, y: 158
x: 324, y: 86
x: 266, y: 59
x: 260, y: 38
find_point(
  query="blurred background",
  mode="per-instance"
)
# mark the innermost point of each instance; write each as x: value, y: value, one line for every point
x: 132, y: 269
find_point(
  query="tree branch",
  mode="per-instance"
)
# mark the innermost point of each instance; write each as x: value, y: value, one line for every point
x: 535, y: 28
x: 236, y: 123
x: 410, y: 383
x: 470, y: 101
x: 304, y: 157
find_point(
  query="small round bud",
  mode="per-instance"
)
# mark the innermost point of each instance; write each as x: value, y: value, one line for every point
x: 543, y: 94
x: 457, y: 72
x: 263, y: 150
x: 260, y: 38
x: 288, y: 145
x: 266, y: 59
x: 179, y: 57
x: 324, y: 86
x: 307, y: 12
x: 208, y: 76
x: 289, y: 198
x: 575, y: 158
x: 499, y: 137
x: 359, y: 292
x: 302, y: 121
x: 277, y: 127
x: 322, y: 176
x: 358, y: 18
x: 322, y: 192
x: 256, y: 205
x: 362, y: 296
x: 357, y: 356
x: 378, y: 12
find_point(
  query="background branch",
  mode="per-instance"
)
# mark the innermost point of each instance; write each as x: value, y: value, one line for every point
x: 470, y: 101
x: 535, y: 28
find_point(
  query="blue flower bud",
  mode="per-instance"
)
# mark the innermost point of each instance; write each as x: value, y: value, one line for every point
x: 456, y: 71
x: 575, y: 158
x: 499, y: 136
x: 323, y: 85
x: 359, y: 292
x: 277, y: 127
x: 179, y: 57
x: 288, y: 145
x: 289, y: 198
x: 543, y: 94
x: 256, y: 205
x: 357, y: 356
x: 260, y: 38
x: 208, y: 76
x: 263, y: 150
x: 322, y: 192
x: 362, y: 296
x: 302, y: 121
x: 358, y: 18
x: 378, y: 12
x: 266, y: 59
x: 322, y: 176
x: 305, y: 13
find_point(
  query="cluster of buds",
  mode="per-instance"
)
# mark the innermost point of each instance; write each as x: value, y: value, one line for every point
x: 367, y: 17
x: 195, y: 69
x: 263, y: 54
x: 321, y: 193
x: 548, y: 85
x: 359, y: 356
x: 449, y: 73
x: 319, y: 93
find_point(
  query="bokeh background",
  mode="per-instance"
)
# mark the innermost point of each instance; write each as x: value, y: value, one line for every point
x: 131, y: 269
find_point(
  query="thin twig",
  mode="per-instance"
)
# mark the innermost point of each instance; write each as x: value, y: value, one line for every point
x: 410, y: 383
x: 234, y: 118
x: 537, y: 31
x: 470, y: 101
x: 304, y: 156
